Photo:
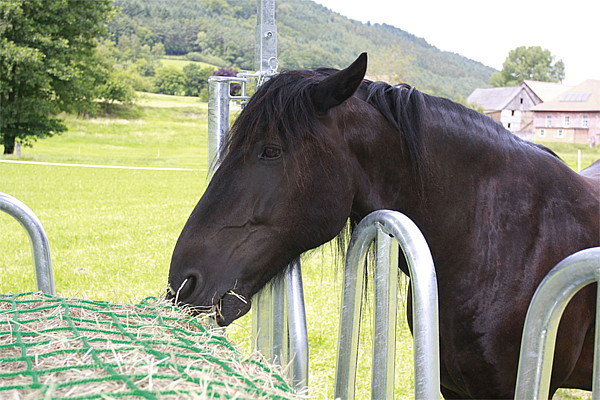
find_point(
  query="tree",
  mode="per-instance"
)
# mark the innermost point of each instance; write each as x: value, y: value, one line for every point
x: 170, y: 80
x: 47, y: 64
x: 532, y: 63
x: 196, y: 78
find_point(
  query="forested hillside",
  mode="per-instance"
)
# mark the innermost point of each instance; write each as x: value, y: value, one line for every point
x: 221, y: 32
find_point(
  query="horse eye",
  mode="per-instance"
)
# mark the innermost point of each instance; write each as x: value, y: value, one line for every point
x: 270, y: 152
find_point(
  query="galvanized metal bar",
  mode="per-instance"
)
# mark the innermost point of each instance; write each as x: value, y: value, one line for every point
x: 288, y: 323
x: 424, y: 296
x: 542, y: 320
x: 39, y: 240
x: 596, y: 367
x: 352, y: 295
x: 386, y: 302
x: 269, y: 324
x: 278, y: 336
x: 265, y: 53
x: 298, y: 333
x: 218, y: 118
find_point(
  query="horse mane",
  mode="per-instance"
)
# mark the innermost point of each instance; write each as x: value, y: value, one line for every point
x: 401, y: 107
x: 283, y: 108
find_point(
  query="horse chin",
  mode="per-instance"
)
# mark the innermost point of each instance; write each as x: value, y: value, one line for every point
x: 231, y: 307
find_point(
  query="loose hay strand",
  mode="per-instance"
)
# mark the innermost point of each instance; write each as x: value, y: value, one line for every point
x: 53, y: 347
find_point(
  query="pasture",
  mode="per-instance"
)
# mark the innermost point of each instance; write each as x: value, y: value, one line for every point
x: 112, y: 230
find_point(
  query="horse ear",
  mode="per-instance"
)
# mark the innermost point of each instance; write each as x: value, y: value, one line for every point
x: 339, y: 87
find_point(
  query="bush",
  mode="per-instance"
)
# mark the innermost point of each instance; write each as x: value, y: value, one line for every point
x: 117, y: 88
x: 195, y: 78
x: 170, y: 80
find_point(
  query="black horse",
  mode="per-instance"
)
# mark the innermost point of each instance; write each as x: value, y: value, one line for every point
x: 314, y: 148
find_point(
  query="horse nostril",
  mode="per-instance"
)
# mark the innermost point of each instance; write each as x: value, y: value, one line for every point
x: 185, y: 289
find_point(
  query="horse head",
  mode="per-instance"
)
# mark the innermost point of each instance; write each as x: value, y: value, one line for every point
x: 281, y: 189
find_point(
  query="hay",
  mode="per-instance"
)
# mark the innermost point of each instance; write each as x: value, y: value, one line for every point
x: 52, y: 347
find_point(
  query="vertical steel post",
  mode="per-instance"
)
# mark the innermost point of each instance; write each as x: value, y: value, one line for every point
x: 218, y: 118
x: 425, y: 307
x: 542, y: 320
x: 265, y: 52
x: 39, y: 241
x: 278, y: 314
x: 297, y: 330
x: 384, y: 323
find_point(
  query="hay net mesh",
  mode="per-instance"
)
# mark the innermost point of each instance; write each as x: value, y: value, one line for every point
x: 53, y: 347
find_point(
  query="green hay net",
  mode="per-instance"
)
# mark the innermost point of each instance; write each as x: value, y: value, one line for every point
x: 53, y: 347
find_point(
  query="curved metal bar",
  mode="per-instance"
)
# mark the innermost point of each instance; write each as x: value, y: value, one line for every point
x: 542, y: 320
x: 425, y: 308
x: 39, y: 240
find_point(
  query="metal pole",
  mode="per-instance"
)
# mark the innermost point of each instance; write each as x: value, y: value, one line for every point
x: 278, y: 313
x: 542, y: 320
x: 218, y: 118
x: 384, y: 323
x: 265, y: 52
x: 38, y: 238
x: 298, y: 337
x: 425, y: 307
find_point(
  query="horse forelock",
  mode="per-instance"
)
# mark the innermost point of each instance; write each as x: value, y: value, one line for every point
x: 281, y: 109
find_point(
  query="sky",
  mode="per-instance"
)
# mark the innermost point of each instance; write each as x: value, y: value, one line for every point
x: 486, y: 31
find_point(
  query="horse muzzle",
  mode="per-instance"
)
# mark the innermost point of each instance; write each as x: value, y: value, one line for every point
x: 226, y: 307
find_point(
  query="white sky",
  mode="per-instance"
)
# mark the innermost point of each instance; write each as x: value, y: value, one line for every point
x: 486, y: 31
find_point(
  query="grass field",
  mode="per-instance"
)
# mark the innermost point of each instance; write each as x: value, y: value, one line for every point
x: 112, y: 231
x: 180, y: 62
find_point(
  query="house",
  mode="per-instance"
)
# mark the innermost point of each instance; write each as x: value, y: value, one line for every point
x: 573, y: 116
x: 511, y: 105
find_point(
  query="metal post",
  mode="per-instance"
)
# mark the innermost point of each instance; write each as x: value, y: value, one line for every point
x: 218, y: 118
x: 384, y: 323
x: 542, y: 320
x: 278, y: 313
x: 297, y: 330
x: 425, y: 307
x: 265, y: 52
x: 38, y: 238
x: 278, y: 322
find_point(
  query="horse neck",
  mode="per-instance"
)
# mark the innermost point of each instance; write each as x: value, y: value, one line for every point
x: 461, y: 149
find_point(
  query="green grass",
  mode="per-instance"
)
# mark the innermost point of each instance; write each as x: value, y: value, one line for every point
x: 112, y: 231
x: 180, y: 62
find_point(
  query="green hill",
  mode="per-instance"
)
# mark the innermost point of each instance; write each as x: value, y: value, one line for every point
x: 221, y: 32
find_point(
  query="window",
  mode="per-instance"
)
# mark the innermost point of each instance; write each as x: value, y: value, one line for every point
x: 508, y: 125
x: 542, y: 133
x: 521, y: 99
x: 584, y: 121
x: 512, y: 113
x: 566, y: 121
x: 548, y: 121
x: 560, y: 133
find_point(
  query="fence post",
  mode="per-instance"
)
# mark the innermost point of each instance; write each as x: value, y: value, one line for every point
x: 38, y: 238
x: 278, y: 314
x: 383, y: 225
x: 218, y: 118
x: 542, y: 320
